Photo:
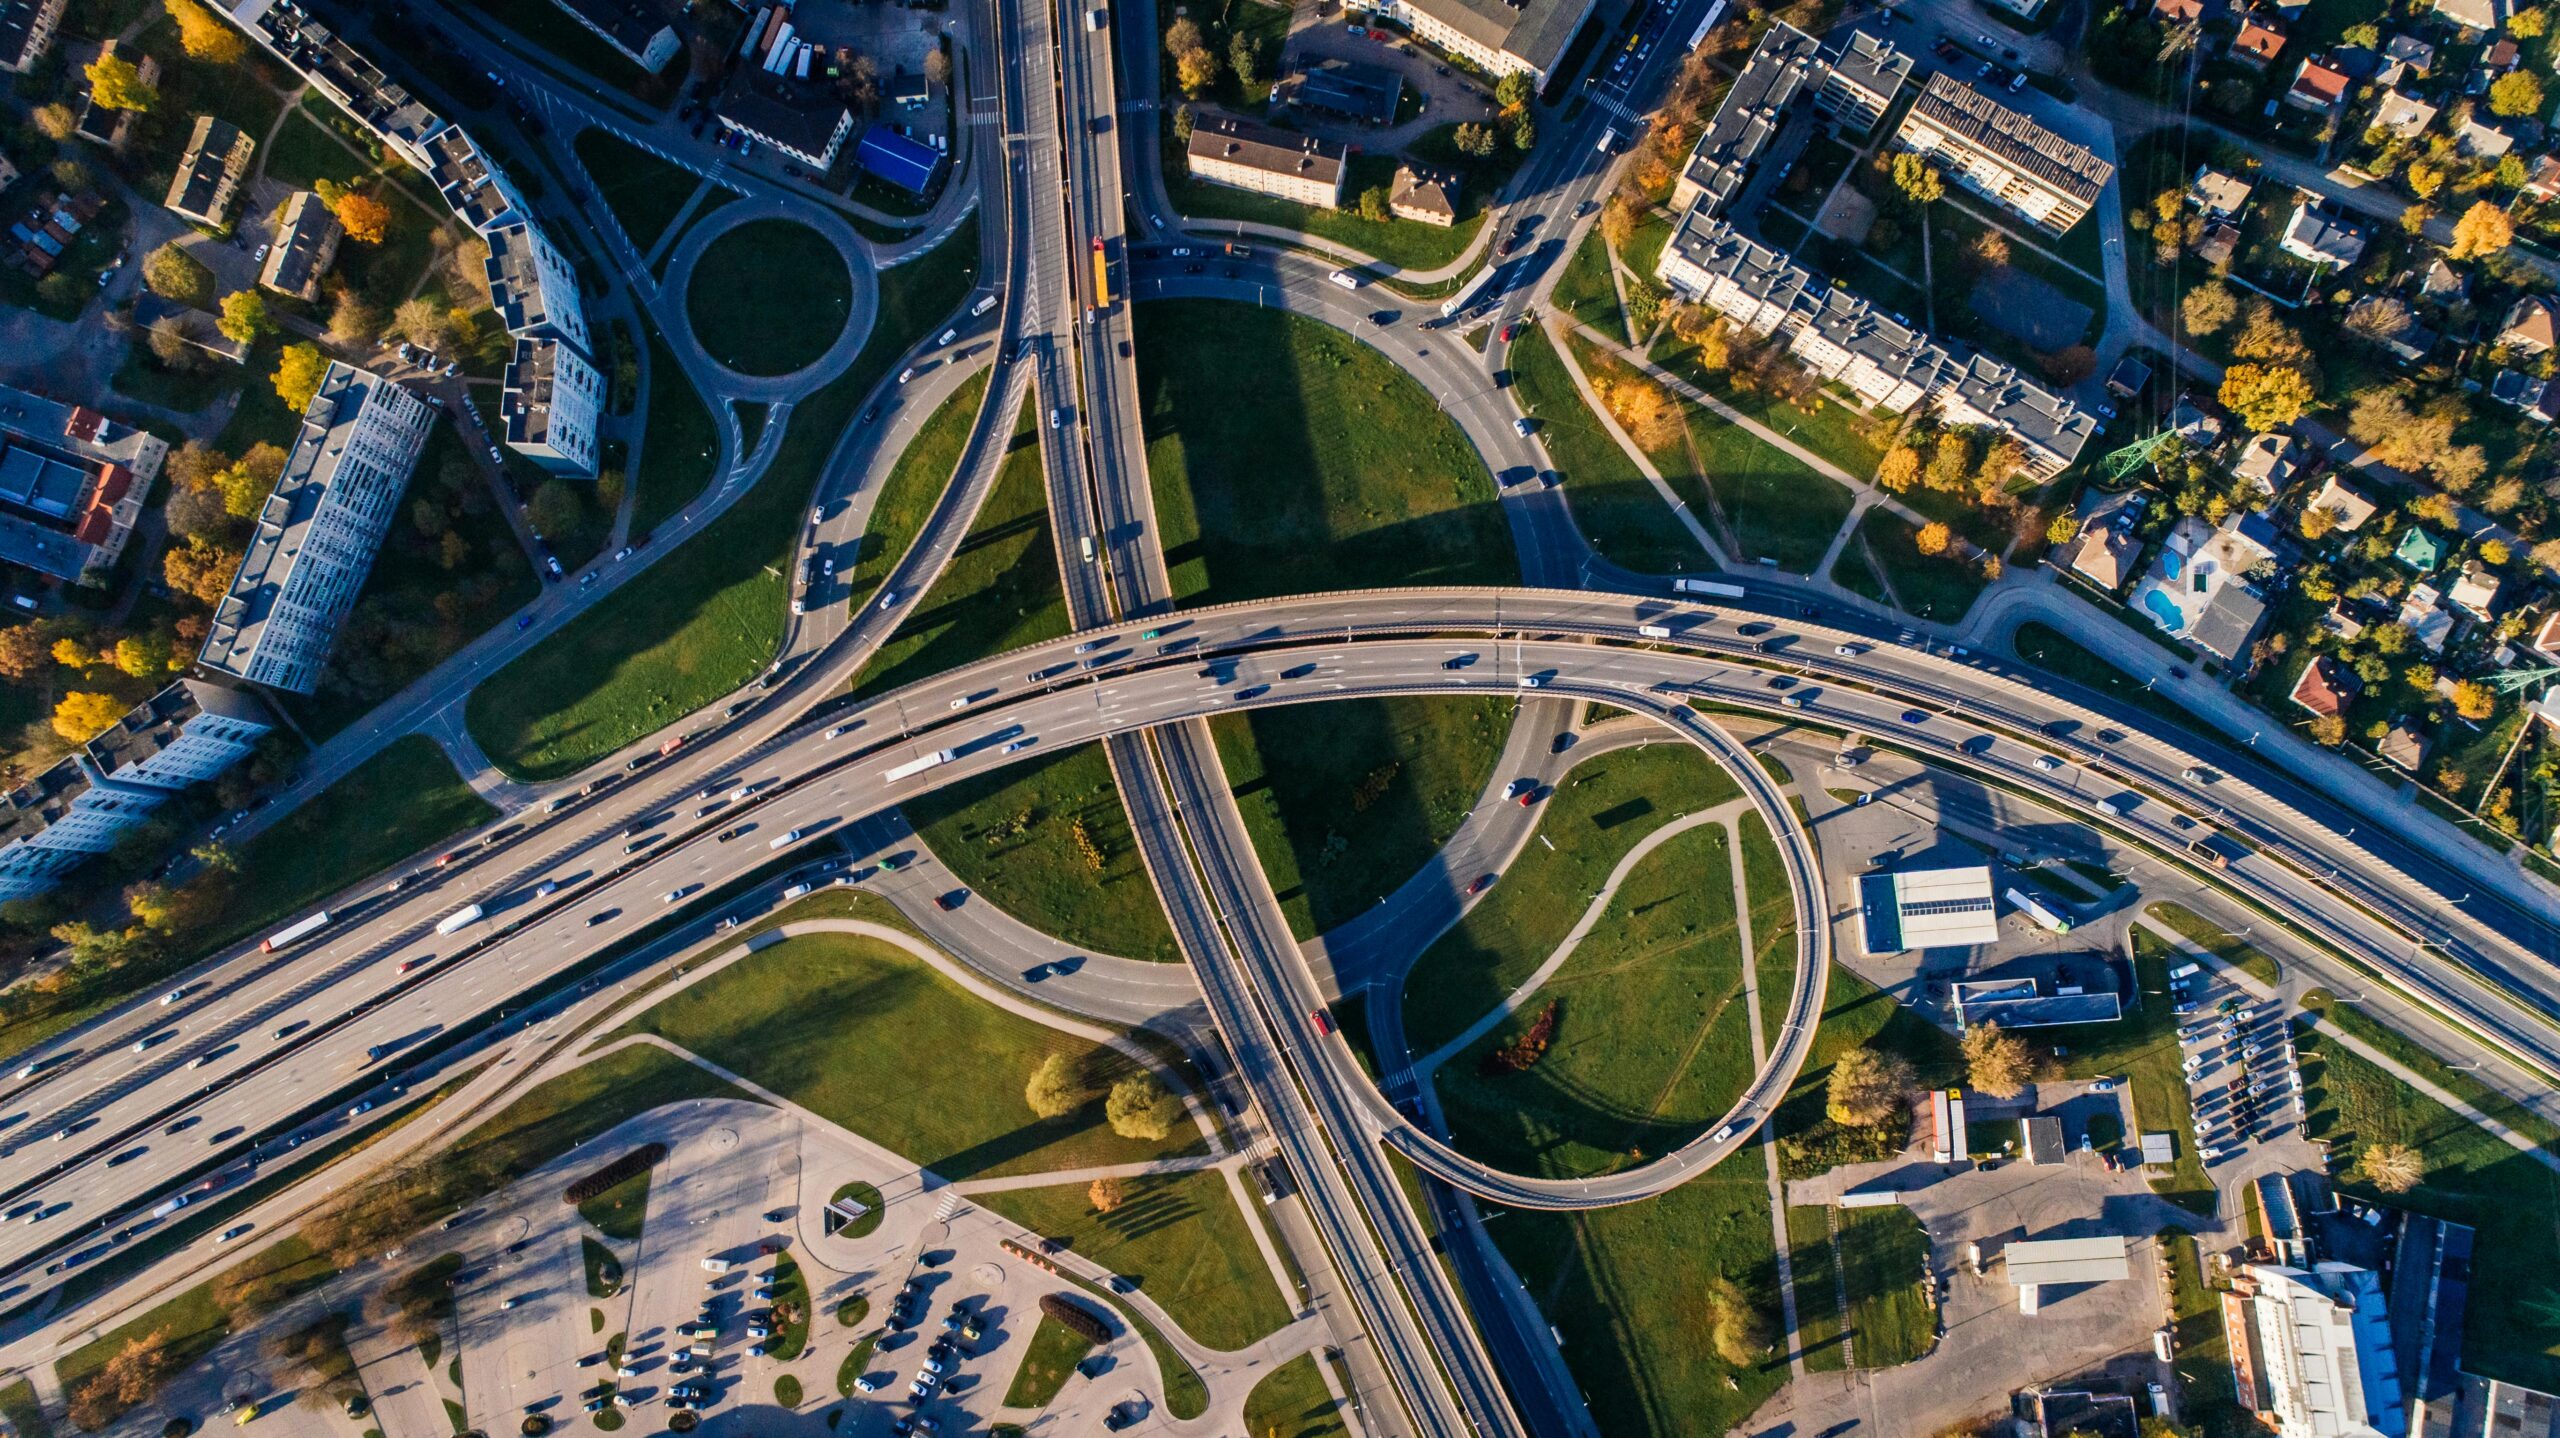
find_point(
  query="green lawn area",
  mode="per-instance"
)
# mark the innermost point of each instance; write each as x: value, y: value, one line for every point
x: 680, y: 445
x: 2050, y: 650
x: 1844, y: 435
x: 768, y: 297
x: 1047, y: 1362
x: 1652, y: 1040
x: 1291, y: 1401
x: 2202, y: 932
x: 1773, y: 923
x: 18, y: 1405
x: 1345, y: 800
x: 1779, y: 507
x: 1814, y: 1263
x: 1855, y: 1014
x: 2206, y: 1391
x: 1938, y: 587
x: 1001, y: 588
x: 841, y: 1024
x: 1600, y: 811
x: 1622, y: 1286
x: 790, y: 1291
x: 1617, y: 508
x: 1332, y: 470
x: 1586, y: 291
x: 2513, y: 1332
x: 618, y: 1212
x: 189, y: 1325
x: 2461, y: 1083
x: 914, y: 486
x: 1884, y: 1258
x: 2142, y: 1049
x: 604, y: 1271
x: 1012, y: 836
x: 1183, y: 1240
x: 645, y: 192
x: 402, y: 800
x: 709, y: 616
x: 307, y: 150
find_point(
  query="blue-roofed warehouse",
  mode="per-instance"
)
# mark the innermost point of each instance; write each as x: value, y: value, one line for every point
x: 893, y: 157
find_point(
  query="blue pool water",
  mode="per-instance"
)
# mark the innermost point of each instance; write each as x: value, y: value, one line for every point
x: 2164, y: 609
x: 2172, y: 563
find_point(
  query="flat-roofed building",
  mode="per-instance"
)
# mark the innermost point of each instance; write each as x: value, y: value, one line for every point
x: 27, y: 29
x: 1427, y: 195
x: 1760, y: 289
x: 1506, y: 37
x: 2039, y: 1263
x: 473, y: 187
x: 2000, y: 154
x: 2019, y: 1004
x: 342, y: 73
x: 1226, y: 150
x: 551, y: 406
x: 209, y: 173
x: 186, y: 734
x: 1786, y: 64
x: 640, y: 33
x: 1862, y: 76
x: 532, y: 286
x: 811, y: 129
x: 2051, y: 429
x: 1927, y: 909
x: 305, y: 242
x: 318, y: 533
x: 884, y: 154
x: 2326, y: 1366
x: 72, y: 483
x: 52, y: 823
x: 1364, y: 93
x: 100, y: 125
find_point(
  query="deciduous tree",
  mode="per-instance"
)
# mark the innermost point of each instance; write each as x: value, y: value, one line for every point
x: 2516, y: 92
x: 2265, y: 396
x: 2484, y: 229
x: 299, y: 370
x: 1933, y: 538
x: 204, y: 35
x: 1917, y: 179
x: 1901, y: 466
x: 175, y: 275
x: 1106, y: 1194
x: 365, y: 219
x: 1139, y: 1107
x: 1054, y: 1090
x: 116, y: 84
x: 1197, y: 70
x: 199, y: 569
x: 2474, y: 700
x: 1997, y: 1062
x: 26, y: 650
x: 2391, y: 1167
x: 244, y: 317
x: 55, y: 121
x: 82, y: 716
x: 1866, y: 1087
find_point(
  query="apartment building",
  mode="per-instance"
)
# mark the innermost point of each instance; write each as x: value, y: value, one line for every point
x: 1854, y: 81
x: 1225, y: 150
x: 2002, y: 155
x: 1862, y: 77
x: 104, y: 126
x: 551, y: 406
x: 318, y: 533
x: 532, y: 286
x: 209, y: 174
x: 639, y: 32
x: 26, y: 31
x: 72, y: 483
x: 473, y: 186
x: 1506, y: 37
x: 305, y: 242
x: 339, y: 71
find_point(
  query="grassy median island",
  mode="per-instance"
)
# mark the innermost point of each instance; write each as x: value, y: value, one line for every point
x: 1773, y: 923
x: 2205, y: 934
x: 1292, y: 1401
x: 619, y: 1212
x: 680, y: 446
x: 1631, y: 1047
x: 644, y: 192
x: 1601, y: 810
x: 1179, y: 1236
x: 1047, y: 841
x: 1628, y: 1289
x: 865, y: 1034
x: 1048, y: 1361
x: 769, y: 297
x: 1614, y: 505
x: 1289, y: 458
x: 1346, y: 799
x: 915, y: 484
x: 1001, y: 589
x: 708, y: 617
x: 2472, y: 1177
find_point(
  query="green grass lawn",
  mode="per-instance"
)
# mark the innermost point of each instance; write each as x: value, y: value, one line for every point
x: 2050, y: 650
x: 1780, y: 507
x: 1938, y: 587
x: 1331, y: 470
x: 645, y: 193
x: 1834, y: 430
x: 189, y: 1325
x: 1001, y: 590
x: 708, y: 617
x: 2513, y: 1332
x: 2202, y: 932
x: 307, y: 150
x: 1617, y: 508
x: 866, y: 1035
x: 1183, y: 1240
x: 791, y: 1293
x: 619, y: 1211
x: 914, y: 486
x: 1344, y: 800
x: 679, y: 445
x: 1047, y: 1362
x: 404, y: 799
x: 768, y: 297
x: 1884, y: 1259
x: 1652, y: 1040
x: 1405, y: 244
x: 604, y: 1271
x: 1773, y: 923
x: 1586, y: 290
x: 142, y: 377
x: 1622, y: 1285
x: 2142, y: 1049
x: 1011, y: 835
x: 19, y: 1406
x: 1855, y: 1013
x: 1814, y: 1263
x: 1291, y: 1401
x: 2461, y: 1083
x: 2207, y: 1395
x: 1596, y: 815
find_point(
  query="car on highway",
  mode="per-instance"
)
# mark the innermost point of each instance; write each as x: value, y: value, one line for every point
x: 1481, y: 883
x: 1914, y: 716
x: 1523, y: 427
x: 789, y: 836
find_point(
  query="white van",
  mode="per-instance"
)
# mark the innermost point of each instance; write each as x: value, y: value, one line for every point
x: 1345, y: 278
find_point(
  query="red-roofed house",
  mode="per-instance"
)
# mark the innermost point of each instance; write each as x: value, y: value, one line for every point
x: 2257, y: 43
x: 2318, y: 87
x: 2326, y: 687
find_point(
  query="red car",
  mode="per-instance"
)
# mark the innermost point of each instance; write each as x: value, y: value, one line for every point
x: 1509, y: 331
x: 1323, y: 1021
x: 1482, y: 883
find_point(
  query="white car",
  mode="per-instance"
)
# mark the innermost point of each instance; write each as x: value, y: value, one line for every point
x: 906, y: 374
x: 2047, y: 763
x: 869, y: 1383
x: 962, y: 702
x: 888, y: 599
x: 838, y: 731
x: 949, y: 335
x: 1016, y: 747
x: 1847, y: 651
x: 790, y: 837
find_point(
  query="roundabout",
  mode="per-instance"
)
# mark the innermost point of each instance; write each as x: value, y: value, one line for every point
x: 779, y: 303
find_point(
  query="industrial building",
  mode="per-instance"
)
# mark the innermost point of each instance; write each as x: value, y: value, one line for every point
x: 1283, y: 164
x: 2038, y: 1264
x: 2002, y: 155
x: 72, y: 483
x: 186, y: 734
x: 1927, y: 909
x: 2317, y: 1349
x: 209, y: 174
x: 318, y: 532
x: 551, y: 406
x: 807, y: 130
x: 2020, y: 1004
x: 884, y: 154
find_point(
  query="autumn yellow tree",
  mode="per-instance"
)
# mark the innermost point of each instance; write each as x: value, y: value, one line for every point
x: 115, y: 84
x: 365, y: 219
x: 1933, y: 538
x: 1139, y: 1107
x: 1106, y: 1194
x: 2265, y: 397
x: 1866, y: 1087
x: 1900, y: 469
x: 1053, y: 1090
x: 2484, y: 229
x: 82, y: 716
x: 204, y: 36
x: 1997, y: 1062
x: 299, y: 371
x: 2391, y: 1167
x: 2474, y: 700
x: 1645, y: 410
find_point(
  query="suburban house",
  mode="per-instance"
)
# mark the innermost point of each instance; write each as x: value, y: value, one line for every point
x: 1430, y: 196
x: 2406, y: 116
x: 2321, y: 238
x: 2542, y: 178
x: 2104, y: 556
x: 2326, y: 687
x: 2318, y: 87
x: 2177, y: 12
x: 2475, y: 590
x: 2217, y: 195
x: 2480, y: 141
x: 2479, y: 15
x: 2423, y: 613
x: 2266, y: 461
x: 2420, y: 549
x: 2532, y: 325
x: 2258, y: 43
x: 2199, y: 587
x: 2405, y: 746
x: 2350, y: 508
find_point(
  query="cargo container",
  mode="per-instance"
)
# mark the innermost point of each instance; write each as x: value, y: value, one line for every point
x: 294, y: 932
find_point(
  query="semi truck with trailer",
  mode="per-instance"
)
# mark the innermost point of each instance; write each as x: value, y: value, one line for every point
x: 459, y: 919
x: 913, y: 767
x: 1718, y: 588
x: 295, y: 932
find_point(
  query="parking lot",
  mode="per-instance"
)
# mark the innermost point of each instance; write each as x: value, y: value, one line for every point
x: 2242, y: 1074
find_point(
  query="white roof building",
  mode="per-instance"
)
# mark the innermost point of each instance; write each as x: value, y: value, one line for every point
x: 2320, y: 1344
x: 1927, y: 909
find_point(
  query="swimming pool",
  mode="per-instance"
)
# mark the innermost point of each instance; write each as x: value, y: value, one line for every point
x: 2164, y: 609
x: 2172, y: 563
